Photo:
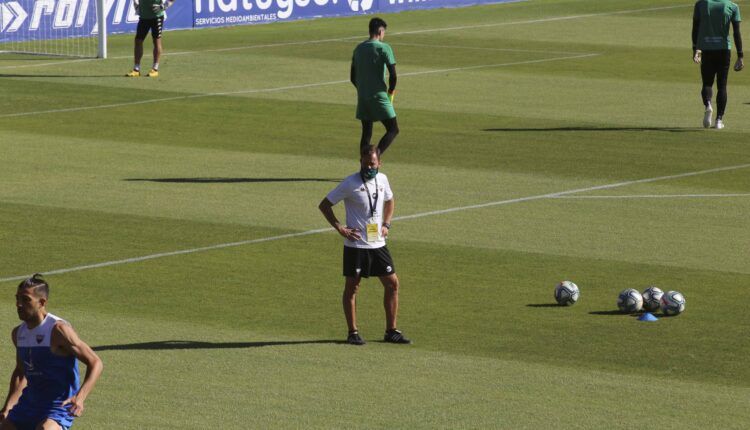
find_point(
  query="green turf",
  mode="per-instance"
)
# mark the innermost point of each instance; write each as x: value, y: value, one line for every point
x: 246, y: 130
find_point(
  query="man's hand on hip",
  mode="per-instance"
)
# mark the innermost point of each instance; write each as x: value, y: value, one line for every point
x: 349, y: 233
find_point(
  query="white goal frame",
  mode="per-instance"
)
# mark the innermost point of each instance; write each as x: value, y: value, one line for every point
x: 15, y: 20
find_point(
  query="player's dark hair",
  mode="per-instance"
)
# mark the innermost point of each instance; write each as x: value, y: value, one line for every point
x: 37, y: 283
x: 375, y: 25
x: 365, y: 151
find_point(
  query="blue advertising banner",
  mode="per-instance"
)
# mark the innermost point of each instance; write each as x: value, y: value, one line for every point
x: 210, y: 13
x: 122, y: 18
x: 52, y: 19
x: 46, y: 19
x: 233, y: 12
x: 25, y: 20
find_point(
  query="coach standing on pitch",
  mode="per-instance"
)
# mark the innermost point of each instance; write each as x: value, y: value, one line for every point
x: 151, y: 18
x: 712, y: 49
x: 369, y: 204
x: 370, y: 60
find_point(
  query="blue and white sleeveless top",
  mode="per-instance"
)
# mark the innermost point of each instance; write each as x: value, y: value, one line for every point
x: 51, y: 379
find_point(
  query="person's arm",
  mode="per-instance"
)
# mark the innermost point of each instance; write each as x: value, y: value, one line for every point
x: 388, y: 207
x: 17, y: 384
x: 390, y: 63
x: 392, y: 78
x: 326, y: 207
x: 353, y: 75
x: 64, y: 335
x: 164, y: 5
x: 740, y: 64
x: 696, y: 27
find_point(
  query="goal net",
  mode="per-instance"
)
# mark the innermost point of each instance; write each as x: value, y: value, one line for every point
x: 67, y: 28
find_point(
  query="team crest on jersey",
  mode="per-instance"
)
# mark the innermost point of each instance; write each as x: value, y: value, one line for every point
x: 39, y: 338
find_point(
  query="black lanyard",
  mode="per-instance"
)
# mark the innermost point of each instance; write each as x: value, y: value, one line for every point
x: 373, y: 203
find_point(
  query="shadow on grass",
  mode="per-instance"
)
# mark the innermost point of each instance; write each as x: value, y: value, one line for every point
x: 228, y: 180
x: 190, y: 344
x: 615, y: 312
x: 14, y: 75
x: 668, y: 129
x: 544, y: 305
x: 16, y: 57
x: 634, y: 315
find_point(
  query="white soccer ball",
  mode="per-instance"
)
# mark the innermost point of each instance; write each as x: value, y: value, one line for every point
x: 630, y: 300
x: 566, y: 293
x: 672, y: 303
x: 652, y: 298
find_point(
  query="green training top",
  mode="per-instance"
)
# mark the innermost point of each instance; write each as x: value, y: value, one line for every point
x: 369, y: 61
x: 715, y: 17
x: 145, y: 8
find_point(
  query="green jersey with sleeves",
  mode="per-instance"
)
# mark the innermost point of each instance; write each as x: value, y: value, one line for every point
x: 369, y: 61
x: 146, y: 9
x: 715, y: 18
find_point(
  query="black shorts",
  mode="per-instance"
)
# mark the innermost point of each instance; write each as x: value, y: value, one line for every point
x: 715, y: 65
x: 153, y: 25
x: 368, y: 262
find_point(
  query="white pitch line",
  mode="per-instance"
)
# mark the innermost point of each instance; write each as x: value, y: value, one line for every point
x: 347, y: 38
x: 55, y: 63
x: 399, y: 218
x: 656, y: 196
x: 541, y: 20
x: 285, y: 88
x: 577, y: 190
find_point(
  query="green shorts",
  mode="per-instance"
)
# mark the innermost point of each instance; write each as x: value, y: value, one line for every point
x: 375, y: 108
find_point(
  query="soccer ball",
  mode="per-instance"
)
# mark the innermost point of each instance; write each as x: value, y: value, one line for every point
x: 630, y: 300
x: 566, y: 293
x: 652, y: 298
x: 672, y: 303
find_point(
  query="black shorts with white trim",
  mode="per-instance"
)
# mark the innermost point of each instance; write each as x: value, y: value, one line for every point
x: 366, y: 262
x: 153, y: 25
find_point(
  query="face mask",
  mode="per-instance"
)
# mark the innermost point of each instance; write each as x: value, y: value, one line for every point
x: 369, y: 173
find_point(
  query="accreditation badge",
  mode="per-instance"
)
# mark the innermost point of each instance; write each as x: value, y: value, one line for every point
x: 373, y: 232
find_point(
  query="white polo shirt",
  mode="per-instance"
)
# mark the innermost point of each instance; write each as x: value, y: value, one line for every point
x: 359, y: 197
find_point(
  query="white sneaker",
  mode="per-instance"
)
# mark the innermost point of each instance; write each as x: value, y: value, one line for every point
x: 719, y: 124
x: 707, y: 116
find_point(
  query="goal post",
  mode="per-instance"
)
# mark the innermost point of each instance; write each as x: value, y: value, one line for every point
x: 101, y: 19
x: 69, y: 28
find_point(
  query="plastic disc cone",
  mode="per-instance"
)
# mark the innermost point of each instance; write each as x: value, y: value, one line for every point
x: 648, y: 316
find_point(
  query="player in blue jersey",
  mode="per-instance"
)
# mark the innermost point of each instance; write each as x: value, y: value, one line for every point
x: 44, y: 389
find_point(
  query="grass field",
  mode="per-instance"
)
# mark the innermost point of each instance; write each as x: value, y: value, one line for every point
x: 541, y: 141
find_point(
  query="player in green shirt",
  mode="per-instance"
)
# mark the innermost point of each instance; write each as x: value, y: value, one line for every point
x: 370, y: 61
x: 151, y: 13
x: 712, y: 49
